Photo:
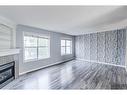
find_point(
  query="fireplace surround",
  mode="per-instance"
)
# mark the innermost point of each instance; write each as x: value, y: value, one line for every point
x: 7, y: 73
x: 9, y: 66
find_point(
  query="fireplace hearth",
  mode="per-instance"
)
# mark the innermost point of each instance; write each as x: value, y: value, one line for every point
x: 7, y: 73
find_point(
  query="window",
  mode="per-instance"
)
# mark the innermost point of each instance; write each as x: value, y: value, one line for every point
x: 35, y: 47
x: 6, y: 37
x: 66, y: 47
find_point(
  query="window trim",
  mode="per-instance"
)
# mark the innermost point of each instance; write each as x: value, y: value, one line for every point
x: 66, y: 39
x: 38, y: 36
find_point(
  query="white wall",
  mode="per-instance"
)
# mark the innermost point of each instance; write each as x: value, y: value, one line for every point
x: 55, y: 51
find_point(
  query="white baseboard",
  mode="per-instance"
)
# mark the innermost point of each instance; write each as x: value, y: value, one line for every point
x: 46, y: 66
x: 72, y: 59
x: 101, y: 62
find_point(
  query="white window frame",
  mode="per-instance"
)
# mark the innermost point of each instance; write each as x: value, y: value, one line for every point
x: 66, y: 46
x: 38, y: 36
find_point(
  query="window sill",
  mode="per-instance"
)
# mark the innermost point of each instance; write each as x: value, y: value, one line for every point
x: 33, y: 60
x: 65, y: 54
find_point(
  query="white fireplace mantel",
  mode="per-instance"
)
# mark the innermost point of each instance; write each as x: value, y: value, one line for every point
x: 7, y: 52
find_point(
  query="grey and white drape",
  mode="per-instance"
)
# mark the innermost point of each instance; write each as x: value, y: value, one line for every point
x: 108, y: 47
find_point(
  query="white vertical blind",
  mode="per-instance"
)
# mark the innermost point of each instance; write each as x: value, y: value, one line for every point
x: 5, y: 37
x: 36, y: 46
x: 66, y: 46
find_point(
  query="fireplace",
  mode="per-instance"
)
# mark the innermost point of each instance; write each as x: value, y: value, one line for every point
x: 7, y: 73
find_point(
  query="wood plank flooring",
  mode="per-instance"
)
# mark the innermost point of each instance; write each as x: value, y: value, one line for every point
x: 74, y: 74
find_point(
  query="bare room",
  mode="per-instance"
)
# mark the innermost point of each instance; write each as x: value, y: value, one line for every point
x: 63, y: 47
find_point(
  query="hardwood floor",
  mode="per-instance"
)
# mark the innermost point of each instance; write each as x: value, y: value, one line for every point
x: 73, y: 75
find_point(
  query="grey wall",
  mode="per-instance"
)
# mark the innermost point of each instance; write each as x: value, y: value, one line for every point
x: 108, y: 47
x: 55, y: 49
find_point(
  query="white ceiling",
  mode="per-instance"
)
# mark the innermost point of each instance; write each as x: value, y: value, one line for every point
x: 73, y: 20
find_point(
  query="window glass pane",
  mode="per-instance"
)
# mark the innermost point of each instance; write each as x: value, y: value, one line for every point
x: 30, y: 41
x: 68, y: 50
x: 43, y: 52
x: 30, y: 53
x: 43, y: 42
x: 68, y: 43
x: 62, y: 42
x: 63, y: 50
